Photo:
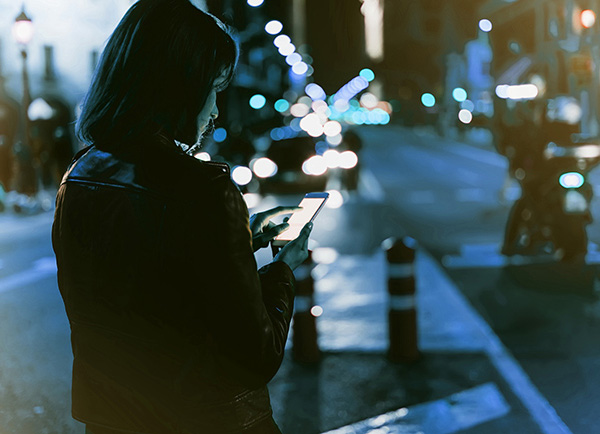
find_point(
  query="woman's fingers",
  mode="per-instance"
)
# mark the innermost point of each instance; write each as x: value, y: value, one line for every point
x: 263, y: 217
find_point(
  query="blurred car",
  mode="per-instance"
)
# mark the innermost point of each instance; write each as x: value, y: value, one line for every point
x: 291, y: 165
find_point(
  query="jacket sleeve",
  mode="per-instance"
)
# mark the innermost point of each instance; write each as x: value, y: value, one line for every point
x: 250, y: 311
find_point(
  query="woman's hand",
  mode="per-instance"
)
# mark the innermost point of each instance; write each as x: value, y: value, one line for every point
x: 263, y: 230
x: 295, y: 252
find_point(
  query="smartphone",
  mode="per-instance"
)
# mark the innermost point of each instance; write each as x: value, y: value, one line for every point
x: 311, y: 205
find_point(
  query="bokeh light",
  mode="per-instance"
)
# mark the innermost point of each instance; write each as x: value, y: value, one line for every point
x: 315, y: 165
x: 332, y: 128
x: 348, y: 160
x: 273, y: 27
x: 336, y: 200
x: 485, y: 25
x: 241, y: 175
x: 299, y: 110
x: 315, y: 91
x: 316, y: 311
x: 300, y: 68
x: 293, y: 58
x: 264, y: 167
x: 588, y: 18
x: 428, y: 100
x: 220, y: 135
x: 465, y: 116
x: 367, y: 74
x: 287, y: 49
x: 281, y: 41
x: 255, y: 3
x: 257, y: 101
x: 332, y: 158
x: 281, y: 105
x: 459, y: 94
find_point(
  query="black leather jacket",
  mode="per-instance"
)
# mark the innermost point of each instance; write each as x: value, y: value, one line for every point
x: 173, y: 329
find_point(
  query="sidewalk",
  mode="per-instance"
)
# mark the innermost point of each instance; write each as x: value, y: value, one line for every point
x: 466, y: 381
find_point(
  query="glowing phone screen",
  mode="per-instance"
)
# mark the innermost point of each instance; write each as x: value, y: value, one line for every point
x: 310, y: 206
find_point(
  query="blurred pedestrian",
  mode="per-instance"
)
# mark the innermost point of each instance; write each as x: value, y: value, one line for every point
x: 173, y: 329
x: 9, y: 123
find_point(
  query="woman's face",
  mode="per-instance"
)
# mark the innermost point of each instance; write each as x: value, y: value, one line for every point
x: 210, y: 111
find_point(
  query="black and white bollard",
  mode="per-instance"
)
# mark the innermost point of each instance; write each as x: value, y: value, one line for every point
x: 402, y: 314
x: 305, y: 348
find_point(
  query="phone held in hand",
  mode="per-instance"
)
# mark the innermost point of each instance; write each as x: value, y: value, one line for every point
x: 311, y: 205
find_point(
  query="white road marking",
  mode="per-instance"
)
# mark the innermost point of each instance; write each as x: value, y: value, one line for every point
x: 536, y: 404
x: 455, y: 413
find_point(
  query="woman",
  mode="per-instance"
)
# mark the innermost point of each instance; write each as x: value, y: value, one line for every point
x: 173, y: 329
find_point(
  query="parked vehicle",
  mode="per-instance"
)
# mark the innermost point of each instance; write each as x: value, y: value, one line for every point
x: 554, y: 209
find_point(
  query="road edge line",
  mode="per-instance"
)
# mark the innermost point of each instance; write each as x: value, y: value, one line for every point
x: 543, y: 414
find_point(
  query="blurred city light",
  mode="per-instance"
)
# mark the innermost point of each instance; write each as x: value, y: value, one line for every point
x: 315, y: 165
x: 287, y: 49
x: 300, y: 68
x: 367, y: 74
x: 324, y: 255
x: 465, y: 116
x: 428, y: 100
x: 252, y: 200
x: 332, y: 158
x: 281, y: 41
x: 264, y: 167
x: 350, y: 89
x: 520, y: 91
x: 571, y: 180
x: 39, y: 109
x: 241, y: 175
x: 336, y: 200
x: 348, y: 160
x: 588, y: 18
x: 332, y: 128
x: 22, y: 29
x: 315, y: 92
x: 203, y: 156
x: 299, y: 110
x: 369, y: 100
x: 485, y: 25
x: 273, y: 27
x: 255, y: 3
x: 293, y: 58
x: 316, y: 311
x: 372, y: 11
x: 334, y: 140
x: 281, y: 105
x: 467, y: 105
x: 341, y: 105
x: 220, y: 135
x: 459, y: 94
x: 311, y: 123
x: 320, y: 106
x: 257, y: 101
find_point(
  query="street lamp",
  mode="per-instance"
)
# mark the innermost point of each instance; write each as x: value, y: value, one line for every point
x: 26, y: 178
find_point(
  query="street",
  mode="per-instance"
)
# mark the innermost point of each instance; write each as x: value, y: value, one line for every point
x: 445, y: 194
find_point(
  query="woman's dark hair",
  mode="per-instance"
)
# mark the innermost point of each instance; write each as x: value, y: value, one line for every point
x: 155, y: 74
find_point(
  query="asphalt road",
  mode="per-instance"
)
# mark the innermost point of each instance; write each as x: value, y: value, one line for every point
x: 448, y: 196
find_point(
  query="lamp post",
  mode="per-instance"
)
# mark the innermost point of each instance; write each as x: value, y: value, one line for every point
x: 26, y: 177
